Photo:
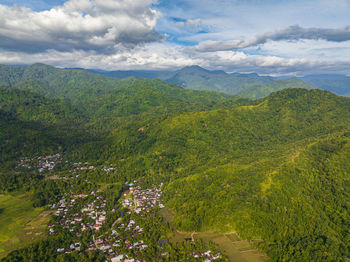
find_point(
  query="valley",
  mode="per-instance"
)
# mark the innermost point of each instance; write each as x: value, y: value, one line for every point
x: 95, y: 168
x: 174, y: 131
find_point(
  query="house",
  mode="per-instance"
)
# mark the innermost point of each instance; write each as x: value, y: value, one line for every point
x: 97, y: 227
x: 77, y: 246
x: 105, y: 247
x: 118, y: 258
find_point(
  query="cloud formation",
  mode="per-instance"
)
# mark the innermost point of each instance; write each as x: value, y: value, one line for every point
x: 292, y: 33
x: 216, y: 34
x: 164, y: 57
x: 101, y: 25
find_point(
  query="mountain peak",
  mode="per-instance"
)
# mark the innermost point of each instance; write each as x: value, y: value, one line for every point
x: 194, y: 67
x: 197, y: 68
x: 245, y: 75
x: 41, y: 65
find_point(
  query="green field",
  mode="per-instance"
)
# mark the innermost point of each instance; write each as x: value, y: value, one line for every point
x: 20, y: 222
x: 236, y: 249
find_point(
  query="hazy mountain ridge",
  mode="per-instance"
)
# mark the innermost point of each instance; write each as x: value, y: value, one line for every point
x: 278, y: 85
x: 338, y: 84
x: 246, y: 85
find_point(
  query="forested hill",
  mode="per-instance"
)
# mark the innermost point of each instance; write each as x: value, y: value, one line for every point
x: 69, y: 107
x: 19, y: 138
x: 192, y: 139
x: 34, y: 125
x: 260, y: 169
x: 195, y: 77
x: 255, y: 92
x: 99, y: 97
x: 33, y: 107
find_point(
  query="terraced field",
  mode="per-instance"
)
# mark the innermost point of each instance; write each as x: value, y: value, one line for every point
x: 20, y: 222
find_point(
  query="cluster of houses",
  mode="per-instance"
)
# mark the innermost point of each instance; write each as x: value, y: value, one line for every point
x: 108, y: 169
x: 81, y: 212
x: 72, y: 247
x: 125, y: 240
x: 78, y: 214
x: 140, y: 201
x: 42, y: 163
x: 77, y: 166
x: 81, y: 166
x: 48, y: 163
x: 126, y: 236
x: 207, y: 256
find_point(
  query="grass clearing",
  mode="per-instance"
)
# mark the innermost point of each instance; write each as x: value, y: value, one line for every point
x: 236, y: 249
x: 233, y: 247
x: 20, y: 222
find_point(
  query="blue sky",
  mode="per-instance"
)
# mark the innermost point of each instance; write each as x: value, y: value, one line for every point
x: 37, y: 5
x: 265, y: 36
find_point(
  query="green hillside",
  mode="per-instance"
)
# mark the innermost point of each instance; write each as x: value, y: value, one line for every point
x: 283, y: 117
x: 256, y: 92
x: 20, y: 138
x: 98, y: 96
x: 33, y: 107
x: 32, y: 125
x: 72, y: 106
x: 258, y: 169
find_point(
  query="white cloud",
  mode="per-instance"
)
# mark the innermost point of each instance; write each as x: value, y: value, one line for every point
x: 292, y: 33
x: 180, y: 24
x: 78, y: 24
x: 161, y: 56
x: 315, y: 49
x: 193, y: 22
x: 122, y: 34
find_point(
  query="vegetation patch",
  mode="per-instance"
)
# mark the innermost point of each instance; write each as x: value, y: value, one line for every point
x: 20, y: 222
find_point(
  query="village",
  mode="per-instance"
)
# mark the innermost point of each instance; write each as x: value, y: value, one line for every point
x: 81, y: 212
x: 139, y: 201
x: 121, y: 232
x: 79, y: 215
x: 121, y: 239
x: 41, y: 163
x: 49, y: 163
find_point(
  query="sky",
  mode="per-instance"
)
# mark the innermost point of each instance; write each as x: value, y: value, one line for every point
x: 269, y: 37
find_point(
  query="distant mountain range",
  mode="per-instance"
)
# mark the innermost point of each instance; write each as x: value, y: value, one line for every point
x: 338, y: 84
x: 250, y: 86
